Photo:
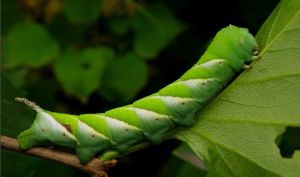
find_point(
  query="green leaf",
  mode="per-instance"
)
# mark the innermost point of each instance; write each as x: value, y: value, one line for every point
x: 119, y: 25
x: 16, y: 117
x: 36, y: 89
x: 11, y: 13
x: 235, y: 134
x: 155, y: 27
x: 30, y: 44
x: 175, y: 167
x: 67, y: 33
x: 82, y: 12
x: 13, y: 112
x: 16, y: 77
x: 80, y: 72
x: 124, y: 77
x: 185, y: 153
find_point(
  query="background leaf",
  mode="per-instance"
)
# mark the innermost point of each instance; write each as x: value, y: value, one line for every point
x: 235, y: 135
x: 10, y: 7
x: 177, y: 168
x: 119, y: 25
x: 81, y: 11
x: 17, y: 77
x: 154, y: 28
x: 124, y: 77
x: 29, y: 44
x: 80, y: 72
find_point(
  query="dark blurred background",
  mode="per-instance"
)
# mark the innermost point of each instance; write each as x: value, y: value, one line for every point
x: 77, y: 56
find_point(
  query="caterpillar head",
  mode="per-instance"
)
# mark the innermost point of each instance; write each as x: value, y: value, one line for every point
x: 235, y: 45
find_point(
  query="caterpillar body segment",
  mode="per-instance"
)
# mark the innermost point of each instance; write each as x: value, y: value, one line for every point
x: 150, y: 118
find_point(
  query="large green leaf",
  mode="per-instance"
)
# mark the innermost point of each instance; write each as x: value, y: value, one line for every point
x: 235, y: 134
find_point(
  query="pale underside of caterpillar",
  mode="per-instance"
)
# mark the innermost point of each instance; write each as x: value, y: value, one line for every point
x: 150, y: 118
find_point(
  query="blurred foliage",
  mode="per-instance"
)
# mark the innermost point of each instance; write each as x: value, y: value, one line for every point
x: 81, y: 12
x: 80, y: 71
x: 79, y: 56
x: 29, y: 44
x: 75, y: 43
x: 178, y: 168
x: 154, y: 28
x: 130, y: 68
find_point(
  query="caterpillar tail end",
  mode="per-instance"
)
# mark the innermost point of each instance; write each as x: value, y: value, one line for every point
x: 45, y: 129
x: 27, y: 139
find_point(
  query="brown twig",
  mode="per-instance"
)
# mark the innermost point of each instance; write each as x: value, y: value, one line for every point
x: 95, y: 166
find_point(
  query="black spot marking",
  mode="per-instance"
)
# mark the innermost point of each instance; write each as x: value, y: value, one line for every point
x: 64, y: 134
x: 126, y: 129
x: 93, y: 136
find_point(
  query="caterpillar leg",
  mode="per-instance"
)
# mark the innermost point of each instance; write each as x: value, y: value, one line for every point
x: 256, y: 57
x: 255, y: 53
x: 108, y: 155
x: 247, y: 66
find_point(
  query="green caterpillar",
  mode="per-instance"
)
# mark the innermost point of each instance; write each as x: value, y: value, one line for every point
x: 150, y: 118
